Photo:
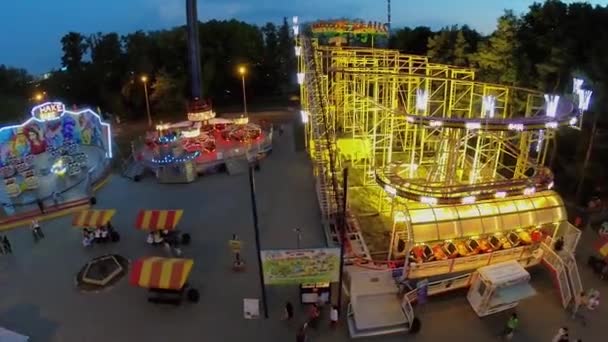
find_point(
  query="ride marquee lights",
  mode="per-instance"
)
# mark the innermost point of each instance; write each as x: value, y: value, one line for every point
x: 488, y: 106
x: 48, y: 111
x: 551, y: 104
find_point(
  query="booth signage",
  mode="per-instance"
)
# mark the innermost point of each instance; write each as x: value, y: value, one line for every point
x: 48, y: 111
x: 301, y: 266
x: 235, y: 245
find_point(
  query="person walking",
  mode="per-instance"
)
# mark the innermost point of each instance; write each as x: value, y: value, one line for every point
x: 36, y: 230
x: 561, y: 336
x: 288, y: 315
x: 40, y: 205
x: 6, y: 245
x: 509, y: 330
x: 580, y: 300
x: 301, y: 334
x: 333, y: 316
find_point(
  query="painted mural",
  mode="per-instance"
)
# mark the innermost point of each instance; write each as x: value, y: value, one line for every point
x: 36, y: 136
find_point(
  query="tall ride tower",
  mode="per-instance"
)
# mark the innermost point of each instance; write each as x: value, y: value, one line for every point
x: 194, y: 57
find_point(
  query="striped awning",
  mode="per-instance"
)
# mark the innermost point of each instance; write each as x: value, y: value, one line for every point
x: 160, y: 273
x: 92, y: 218
x: 158, y: 219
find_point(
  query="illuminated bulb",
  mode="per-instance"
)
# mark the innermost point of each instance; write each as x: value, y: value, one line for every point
x: 298, y: 50
x: 468, y: 200
x: 410, y: 119
x: 550, y: 185
x: 584, y: 97
x: 422, y: 98
x: 529, y: 191
x: 304, y: 115
x: 435, y: 123
x: 500, y: 194
x: 577, y: 84
x: 551, y: 104
x: 573, y: 121
x: 300, y: 78
x: 428, y: 200
x: 296, y: 30
x: 390, y: 190
x: 551, y: 124
x: 472, y: 125
x: 487, y: 106
x: 516, y: 127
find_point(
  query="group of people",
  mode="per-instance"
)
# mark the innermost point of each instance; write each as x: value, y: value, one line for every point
x: 168, y: 239
x: 97, y: 235
x: 314, y: 315
x: 587, y: 301
x: 5, y: 245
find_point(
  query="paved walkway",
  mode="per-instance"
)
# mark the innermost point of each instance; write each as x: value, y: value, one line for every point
x: 38, y: 298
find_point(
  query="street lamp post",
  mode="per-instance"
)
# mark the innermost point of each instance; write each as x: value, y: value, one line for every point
x: 144, y: 79
x: 242, y: 72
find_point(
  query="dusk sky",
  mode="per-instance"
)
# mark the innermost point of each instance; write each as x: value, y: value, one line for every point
x: 31, y: 29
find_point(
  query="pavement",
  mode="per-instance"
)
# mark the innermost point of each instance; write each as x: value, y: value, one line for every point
x: 38, y: 297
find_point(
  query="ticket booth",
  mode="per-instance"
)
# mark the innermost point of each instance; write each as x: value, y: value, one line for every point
x: 310, y: 293
x: 499, y: 287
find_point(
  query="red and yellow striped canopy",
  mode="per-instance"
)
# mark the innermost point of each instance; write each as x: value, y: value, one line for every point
x: 161, y: 273
x: 92, y: 218
x: 158, y: 219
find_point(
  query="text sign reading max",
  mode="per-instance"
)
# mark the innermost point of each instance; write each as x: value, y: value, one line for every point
x: 48, y: 111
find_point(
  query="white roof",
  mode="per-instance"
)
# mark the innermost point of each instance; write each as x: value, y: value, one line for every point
x: 504, y: 272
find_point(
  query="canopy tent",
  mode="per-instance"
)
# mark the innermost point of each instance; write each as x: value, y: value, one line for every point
x: 158, y: 219
x: 160, y: 273
x: 92, y: 218
x: 432, y: 223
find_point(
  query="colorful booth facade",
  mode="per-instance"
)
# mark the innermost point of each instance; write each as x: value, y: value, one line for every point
x: 50, y: 128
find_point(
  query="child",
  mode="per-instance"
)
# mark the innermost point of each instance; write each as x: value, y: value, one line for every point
x: 333, y: 316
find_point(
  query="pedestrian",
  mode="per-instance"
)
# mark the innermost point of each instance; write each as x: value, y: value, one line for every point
x: 288, y: 315
x: 8, y: 249
x: 509, y: 330
x: 580, y: 300
x: 301, y: 334
x: 314, y: 315
x: 561, y: 336
x: 56, y: 198
x: 333, y: 316
x: 40, y: 205
x: 36, y: 230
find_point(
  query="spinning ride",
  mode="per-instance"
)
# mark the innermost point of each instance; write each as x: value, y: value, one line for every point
x: 205, y: 141
x: 445, y: 171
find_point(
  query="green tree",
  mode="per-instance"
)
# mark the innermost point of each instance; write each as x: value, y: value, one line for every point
x: 74, y: 47
x: 286, y: 55
x: 412, y: 41
x: 497, y: 56
x: 461, y: 50
x: 440, y: 47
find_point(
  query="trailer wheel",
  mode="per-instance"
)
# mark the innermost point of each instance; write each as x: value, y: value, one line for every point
x: 193, y: 295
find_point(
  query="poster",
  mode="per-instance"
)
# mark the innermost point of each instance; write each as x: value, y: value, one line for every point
x: 251, y: 308
x: 299, y: 266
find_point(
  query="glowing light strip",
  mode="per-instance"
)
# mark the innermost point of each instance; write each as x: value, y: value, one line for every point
x: 551, y: 102
x: 87, y: 110
x: 551, y: 124
x: 435, y: 123
x: 472, y: 125
x: 296, y: 30
x: 298, y: 50
x: 516, y: 127
x: 539, y: 143
x: 487, y: 106
x: 294, y: 20
x: 468, y: 200
x: 390, y: 190
x: 428, y: 200
x: 304, y: 115
x: 300, y: 77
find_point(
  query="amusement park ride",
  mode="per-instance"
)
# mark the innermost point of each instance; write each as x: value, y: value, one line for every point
x: 446, y: 173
